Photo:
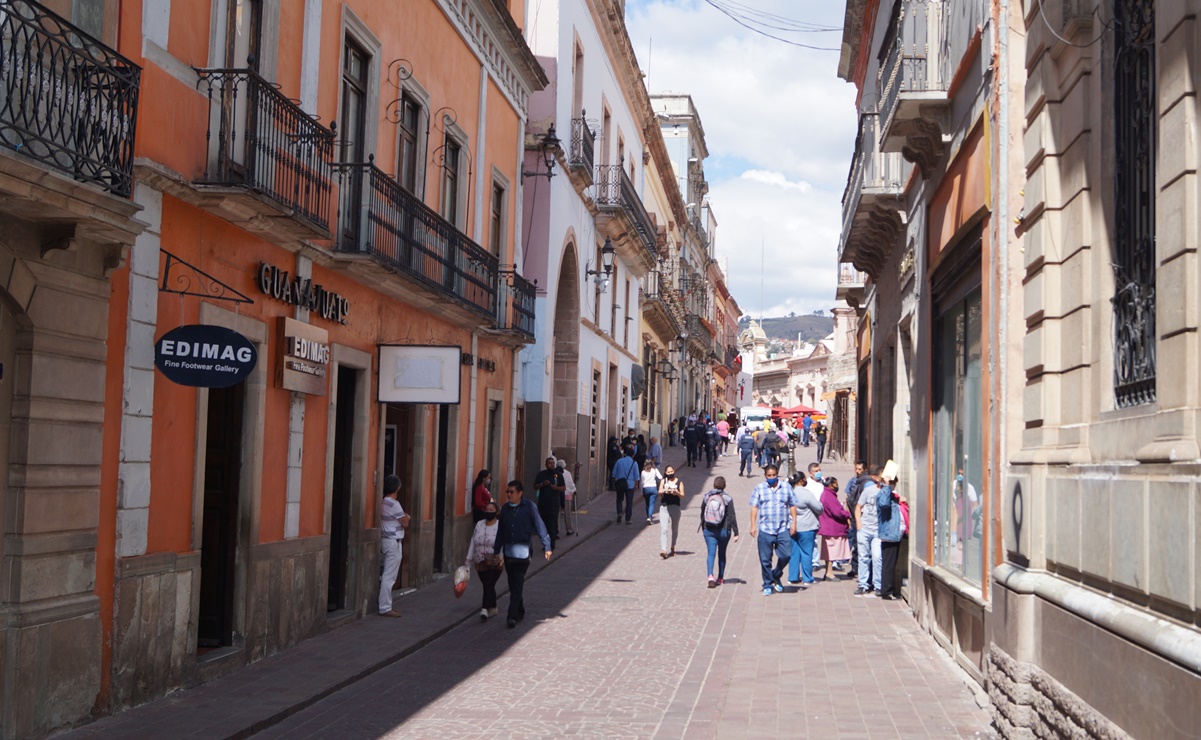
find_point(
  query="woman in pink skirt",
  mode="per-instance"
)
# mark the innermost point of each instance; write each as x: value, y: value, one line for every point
x: 832, y: 526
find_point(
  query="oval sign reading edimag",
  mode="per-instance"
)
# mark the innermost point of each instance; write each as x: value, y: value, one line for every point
x: 204, y: 356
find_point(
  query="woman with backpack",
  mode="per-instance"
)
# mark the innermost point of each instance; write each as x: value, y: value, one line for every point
x: 671, y: 495
x: 718, y: 524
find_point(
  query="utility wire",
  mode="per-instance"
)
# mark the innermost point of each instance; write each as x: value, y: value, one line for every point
x: 772, y: 20
x: 742, y: 21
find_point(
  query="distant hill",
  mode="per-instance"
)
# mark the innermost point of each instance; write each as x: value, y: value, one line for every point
x: 810, y: 328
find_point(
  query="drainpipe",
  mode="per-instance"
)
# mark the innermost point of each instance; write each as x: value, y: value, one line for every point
x: 998, y: 320
x: 473, y: 412
x: 513, y: 394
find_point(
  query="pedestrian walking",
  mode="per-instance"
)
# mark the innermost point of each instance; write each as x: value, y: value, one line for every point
x: 806, y: 428
x: 519, y: 521
x: 711, y: 442
x: 481, y: 555
x: 549, y: 487
x: 671, y: 433
x: 746, y: 448
x: 612, y: 455
x: 654, y: 453
x: 569, y: 490
x: 691, y: 440
x: 816, y: 486
x: 625, y: 480
x: 723, y: 433
x: 832, y: 527
x: 821, y: 433
x: 718, y: 524
x: 481, y: 494
x: 773, y: 522
x: 671, y: 495
x: 867, y: 521
x: 650, y: 489
x: 393, y: 521
x: 804, y: 533
x: 641, y: 451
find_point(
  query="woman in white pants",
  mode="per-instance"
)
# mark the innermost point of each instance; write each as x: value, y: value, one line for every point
x: 671, y: 495
x: 568, y: 502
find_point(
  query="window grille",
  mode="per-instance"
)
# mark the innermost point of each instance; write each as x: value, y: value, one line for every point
x: 1134, y: 202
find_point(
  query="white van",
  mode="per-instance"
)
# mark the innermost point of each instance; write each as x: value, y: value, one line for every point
x: 754, y: 417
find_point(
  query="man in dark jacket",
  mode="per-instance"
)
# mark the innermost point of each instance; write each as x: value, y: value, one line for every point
x: 691, y: 438
x: 746, y: 448
x: 549, y: 487
x: 519, y: 521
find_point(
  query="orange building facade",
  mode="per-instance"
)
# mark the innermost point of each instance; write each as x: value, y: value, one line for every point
x: 336, y: 184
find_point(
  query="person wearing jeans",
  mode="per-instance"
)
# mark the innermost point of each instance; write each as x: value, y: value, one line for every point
x: 773, y: 522
x: 800, y: 565
x: 651, y: 477
x: 625, y: 480
x: 867, y: 523
x: 717, y: 536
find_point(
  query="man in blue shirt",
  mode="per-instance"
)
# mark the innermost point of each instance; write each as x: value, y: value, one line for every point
x: 625, y: 480
x: 519, y: 521
x: 773, y: 522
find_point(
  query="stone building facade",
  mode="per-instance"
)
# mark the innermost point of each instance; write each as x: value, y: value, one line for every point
x: 1022, y: 205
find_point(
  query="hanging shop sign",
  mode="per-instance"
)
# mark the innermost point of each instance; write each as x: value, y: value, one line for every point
x: 204, y: 356
x: 305, y: 357
x: 302, y: 292
x: 419, y: 374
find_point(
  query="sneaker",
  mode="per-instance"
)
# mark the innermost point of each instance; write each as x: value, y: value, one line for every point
x: 767, y: 591
x: 777, y: 587
x: 484, y: 615
x: 511, y: 623
x: 794, y: 583
x: 649, y: 522
x: 720, y: 581
x: 861, y: 592
x: 712, y: 582
x: 619, y: 519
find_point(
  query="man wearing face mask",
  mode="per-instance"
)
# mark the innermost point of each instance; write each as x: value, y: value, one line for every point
x: 773, y: 523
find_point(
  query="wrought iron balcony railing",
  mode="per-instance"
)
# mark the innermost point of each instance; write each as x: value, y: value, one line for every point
x: 515, y: 304
x: 908, y: 67
x: 377, y: 217
x: 260, y: 140
x: 67, y: 100
x: 583, y: 144
x: 614, y: 189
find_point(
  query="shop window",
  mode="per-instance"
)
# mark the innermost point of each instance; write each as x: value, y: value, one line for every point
x: 958, y: 437
x: 1134, y: 202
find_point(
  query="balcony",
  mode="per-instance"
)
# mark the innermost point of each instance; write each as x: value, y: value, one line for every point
x: 515, y: 306
x: 851, y: 285
x: 383, y: 232
x: 657, y: 309
x: 873, y: 202
x: 624, y: 219
x: 269, y: 165
x: 700, y: 336
x: 68, y: 109
x: 914, y: 106
x: 581, y: 163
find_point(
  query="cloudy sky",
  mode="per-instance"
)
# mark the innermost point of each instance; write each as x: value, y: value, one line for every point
x: 780, y: 127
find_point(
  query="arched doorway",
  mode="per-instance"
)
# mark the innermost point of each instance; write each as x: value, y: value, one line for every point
x: 565, y: 388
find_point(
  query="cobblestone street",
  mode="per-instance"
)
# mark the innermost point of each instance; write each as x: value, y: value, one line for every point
x: 620, y: 643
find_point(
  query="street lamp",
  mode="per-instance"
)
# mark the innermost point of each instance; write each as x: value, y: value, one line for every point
x: 601, y: 276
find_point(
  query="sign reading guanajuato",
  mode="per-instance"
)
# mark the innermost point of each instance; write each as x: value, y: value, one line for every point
x: 204, y: 356
x: 299, y: 291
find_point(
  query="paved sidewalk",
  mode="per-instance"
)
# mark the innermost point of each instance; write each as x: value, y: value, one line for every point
x: 619, y: 643
x: 263, y: 693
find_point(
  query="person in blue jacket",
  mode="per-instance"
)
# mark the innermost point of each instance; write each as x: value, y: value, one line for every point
x: 891, y: 530
x: 519, y: 520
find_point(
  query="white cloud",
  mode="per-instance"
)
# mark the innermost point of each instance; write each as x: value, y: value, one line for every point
x: 777, y: 179
x: 780, y: 127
